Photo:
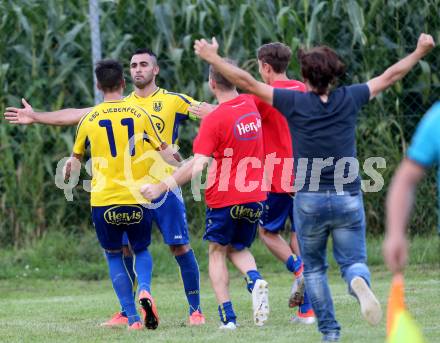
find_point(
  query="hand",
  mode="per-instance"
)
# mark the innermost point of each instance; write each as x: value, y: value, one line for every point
x: 152, y: 192
x: 425, y: 44
x: 395, y: 252
x: 205, y: 50
x: 202, y: 110
x: 22, y: 116
x: 72, y: 165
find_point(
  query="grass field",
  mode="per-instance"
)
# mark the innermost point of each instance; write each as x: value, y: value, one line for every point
x: 70, y: 311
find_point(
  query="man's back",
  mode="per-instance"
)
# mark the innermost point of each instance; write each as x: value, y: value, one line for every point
x: 117, y: 132
x: 232, y: 134
x: 277, y: 139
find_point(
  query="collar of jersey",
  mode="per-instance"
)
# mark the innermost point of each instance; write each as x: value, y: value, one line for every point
x: 112, y: 101
x: 150, y: 96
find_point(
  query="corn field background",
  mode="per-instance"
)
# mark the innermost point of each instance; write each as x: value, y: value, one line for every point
x: 45, y: 56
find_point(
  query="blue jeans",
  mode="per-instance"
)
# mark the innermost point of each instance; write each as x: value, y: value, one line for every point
x: 318, y: 215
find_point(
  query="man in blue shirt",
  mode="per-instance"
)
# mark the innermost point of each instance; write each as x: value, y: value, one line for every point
x: 328, y: 199
x: 423, y: 153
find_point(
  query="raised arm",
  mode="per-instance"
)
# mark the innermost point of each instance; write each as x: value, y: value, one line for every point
x: 239, y: 77
x: 27, y: 115
x: 399, y: 203
x: 397, y: 71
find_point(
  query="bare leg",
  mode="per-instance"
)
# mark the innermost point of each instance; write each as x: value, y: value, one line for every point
x: 218, y: 272
x: 242, y: 260
x: 276, y: 244
x: 294, y: 244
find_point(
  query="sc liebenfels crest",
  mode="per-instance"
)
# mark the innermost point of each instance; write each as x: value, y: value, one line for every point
x: 157, y: 106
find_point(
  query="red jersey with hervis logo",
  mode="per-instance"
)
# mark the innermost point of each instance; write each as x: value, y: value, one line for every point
x: 232, y: 134
x: 279, y: 172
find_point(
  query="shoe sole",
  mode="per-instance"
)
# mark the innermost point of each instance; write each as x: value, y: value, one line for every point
x: 151, y: 320
x: 297, y: 297
x: 370, y: 306
x: 303, y: 321
x: 227, y: 328
x: 260, y: 302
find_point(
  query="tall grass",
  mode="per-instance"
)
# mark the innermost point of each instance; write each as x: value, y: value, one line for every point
x: 45, y: 56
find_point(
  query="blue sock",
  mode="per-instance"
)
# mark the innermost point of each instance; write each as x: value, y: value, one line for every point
x: 306, y: 305
x: 189, y: 269
x: 294, y: 264
x: 227, y: 313
x: 128, y: 261
x: 252, y: 276
x: 122, y: 285
x: 143, y: 265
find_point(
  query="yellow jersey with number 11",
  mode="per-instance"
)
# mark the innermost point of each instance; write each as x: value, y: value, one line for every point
x: 122, y: 136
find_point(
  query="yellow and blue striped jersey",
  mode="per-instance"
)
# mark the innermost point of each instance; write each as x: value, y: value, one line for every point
x: 123, y: 140
x: 167, y: 110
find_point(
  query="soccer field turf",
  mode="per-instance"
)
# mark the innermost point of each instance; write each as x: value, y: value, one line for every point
x: 70, y: 311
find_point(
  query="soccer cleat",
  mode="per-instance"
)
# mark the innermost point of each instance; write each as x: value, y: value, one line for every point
x: 228, y: 326
x: 260, y: 302
x: 297, y: 292
x: 196, y: 318
x: 148, y: 310
x: 136, y: 326
x: 304, y: 318
x: 370, y: 306
x: 117, y: 320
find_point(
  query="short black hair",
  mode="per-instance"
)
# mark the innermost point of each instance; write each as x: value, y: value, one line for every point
x: 220, y: 80
x: 110, y: 75
x: 140, y: 51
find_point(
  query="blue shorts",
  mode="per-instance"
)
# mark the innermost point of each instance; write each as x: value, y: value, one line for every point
x: 235, y: 225
x: 112, y: 221
x: 277, y: 208
x: 170, y: 218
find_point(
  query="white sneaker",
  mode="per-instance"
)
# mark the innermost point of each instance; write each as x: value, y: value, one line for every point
x: 302, y: 320
x: 297, y: 292
x: 370, y: 306
x: 228, y: 326
x: 260, y: 302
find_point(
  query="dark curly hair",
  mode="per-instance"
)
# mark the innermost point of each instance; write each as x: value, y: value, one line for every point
x: 321, y: 66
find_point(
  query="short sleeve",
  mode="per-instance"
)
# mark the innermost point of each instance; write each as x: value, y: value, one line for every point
x: 184, y: 101
x: 79, y: 146
x: 424, y: 148
x: 207, y: 139
x: 284, y: 101
x: 360, y: 94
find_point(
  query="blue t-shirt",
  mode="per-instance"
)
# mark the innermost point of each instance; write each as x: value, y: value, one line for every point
x: 425, y: 145
x: 323, y: 137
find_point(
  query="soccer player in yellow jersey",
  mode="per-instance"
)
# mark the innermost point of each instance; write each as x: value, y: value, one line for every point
x: 116, y: 132
x: 167, y: 110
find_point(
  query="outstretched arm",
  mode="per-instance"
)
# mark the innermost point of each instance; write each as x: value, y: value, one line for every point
x: 27, y: 115
x: 186, y: 172
x: 397, y: 71
x: 239, y: 77
x: 170, y: 155
x: 399, y: 203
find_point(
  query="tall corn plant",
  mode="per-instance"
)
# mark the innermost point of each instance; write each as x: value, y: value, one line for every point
x: 48, y: 61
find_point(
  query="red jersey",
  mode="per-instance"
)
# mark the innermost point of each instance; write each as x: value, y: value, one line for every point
x: 277, y: 141
x: 232, y: 134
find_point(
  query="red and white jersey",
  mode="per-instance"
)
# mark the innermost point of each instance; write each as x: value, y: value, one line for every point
x: 277, y: 141
x: 232, y: 134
